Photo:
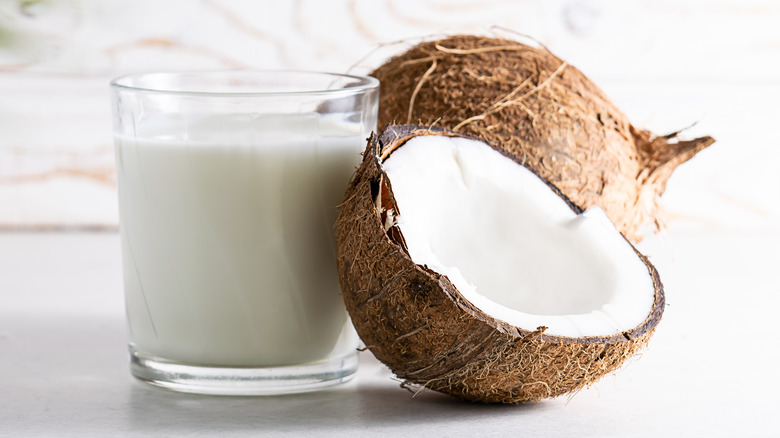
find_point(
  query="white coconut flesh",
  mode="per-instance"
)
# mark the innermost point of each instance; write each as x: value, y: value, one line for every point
x: 511, y: 245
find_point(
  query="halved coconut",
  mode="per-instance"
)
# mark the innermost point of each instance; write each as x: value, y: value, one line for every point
x: 545, y: 112
x: 466, y: 273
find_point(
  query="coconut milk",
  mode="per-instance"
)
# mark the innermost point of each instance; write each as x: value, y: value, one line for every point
x: 228, y: 244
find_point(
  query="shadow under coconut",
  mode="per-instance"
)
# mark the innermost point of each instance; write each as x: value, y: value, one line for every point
x: 356, y: 405
x: 388, y: 405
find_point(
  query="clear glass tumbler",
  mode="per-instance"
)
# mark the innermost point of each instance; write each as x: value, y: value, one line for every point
x: 229, y: 184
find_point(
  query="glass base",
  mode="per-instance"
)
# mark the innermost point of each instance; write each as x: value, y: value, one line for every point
x: 243, y: 381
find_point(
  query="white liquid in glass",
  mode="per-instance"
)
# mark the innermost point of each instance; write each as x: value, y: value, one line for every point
x: 227, y: 238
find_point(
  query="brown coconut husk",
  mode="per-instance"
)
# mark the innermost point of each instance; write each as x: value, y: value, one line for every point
x: 416, y: 322
x: 545, y: 112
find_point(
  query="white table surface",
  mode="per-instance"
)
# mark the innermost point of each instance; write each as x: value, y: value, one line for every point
x: 711, y: 369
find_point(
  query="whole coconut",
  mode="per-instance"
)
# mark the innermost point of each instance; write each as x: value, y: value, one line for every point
x: 543, y: 111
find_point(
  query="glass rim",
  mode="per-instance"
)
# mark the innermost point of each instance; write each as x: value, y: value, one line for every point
x: 365, y: 83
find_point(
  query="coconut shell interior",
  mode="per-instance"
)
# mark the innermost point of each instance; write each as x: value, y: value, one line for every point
x: 417, y: 323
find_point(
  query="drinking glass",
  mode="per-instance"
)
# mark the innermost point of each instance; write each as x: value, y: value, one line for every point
x: 229, y: 185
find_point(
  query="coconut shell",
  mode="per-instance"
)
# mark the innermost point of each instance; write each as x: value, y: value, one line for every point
x: 416, y: 321
x: 545, y: 112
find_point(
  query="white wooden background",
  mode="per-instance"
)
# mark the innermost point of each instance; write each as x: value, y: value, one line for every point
x: 667, y: 63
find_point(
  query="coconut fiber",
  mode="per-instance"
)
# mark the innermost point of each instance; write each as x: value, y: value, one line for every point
x: 546, y: 113
x: 417, y: 323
